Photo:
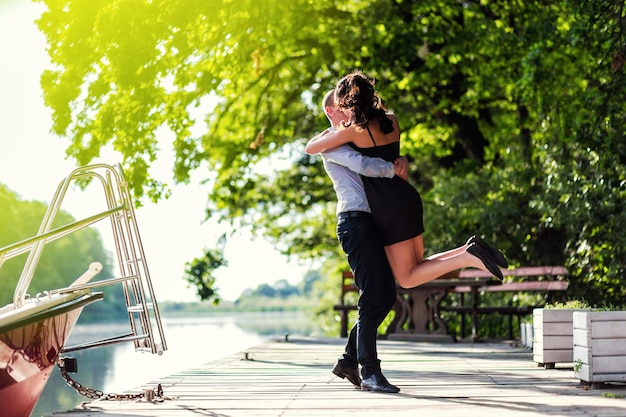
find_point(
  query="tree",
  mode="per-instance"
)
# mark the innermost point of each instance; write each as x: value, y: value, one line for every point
x: 266, y: 290
x: 199, y: 272
x: 512, y: 112
x: 307, y: 286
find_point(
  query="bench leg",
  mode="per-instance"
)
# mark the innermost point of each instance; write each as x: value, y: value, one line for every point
x: 462, y: 303
x: 475, y: 314
x: 344, y: 323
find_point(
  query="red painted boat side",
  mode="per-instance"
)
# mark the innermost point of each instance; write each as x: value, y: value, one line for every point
x: 18, y: 400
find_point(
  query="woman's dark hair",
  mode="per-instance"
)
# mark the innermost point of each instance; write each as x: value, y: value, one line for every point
x: 356, y: 92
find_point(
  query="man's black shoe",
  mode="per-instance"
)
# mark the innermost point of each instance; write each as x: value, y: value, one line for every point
x: 379, y: 383
x: 351, y: 374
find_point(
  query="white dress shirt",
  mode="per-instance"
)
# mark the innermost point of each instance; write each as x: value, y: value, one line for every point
x: 343, y: 166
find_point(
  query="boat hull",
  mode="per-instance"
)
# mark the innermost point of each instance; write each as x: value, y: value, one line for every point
x: 30, y: 345
x: 19, y: 399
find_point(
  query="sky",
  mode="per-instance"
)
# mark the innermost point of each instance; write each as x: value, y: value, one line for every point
x: 33, y: 163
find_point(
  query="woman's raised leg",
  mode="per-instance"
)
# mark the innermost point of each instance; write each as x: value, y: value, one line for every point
x: 411, y: 270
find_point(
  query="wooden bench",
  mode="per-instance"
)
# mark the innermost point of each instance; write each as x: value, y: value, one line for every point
x: 460, y: 282
x: 549, y: 286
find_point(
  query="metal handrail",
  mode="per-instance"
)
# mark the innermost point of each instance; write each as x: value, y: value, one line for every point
x: 105, y: 342
x: 26, y: 245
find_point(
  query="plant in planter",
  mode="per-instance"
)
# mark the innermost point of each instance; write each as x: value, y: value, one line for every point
x: 553, y: 333
x: 600, y: 346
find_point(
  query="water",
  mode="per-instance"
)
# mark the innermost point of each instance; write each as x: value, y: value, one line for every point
x: 191, y: 341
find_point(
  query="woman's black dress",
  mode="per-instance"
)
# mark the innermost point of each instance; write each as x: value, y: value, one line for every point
x: 396, y: 205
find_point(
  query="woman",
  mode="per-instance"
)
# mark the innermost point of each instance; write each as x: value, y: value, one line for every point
x: 396, y: 205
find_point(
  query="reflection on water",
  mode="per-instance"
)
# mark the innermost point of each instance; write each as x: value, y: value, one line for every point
x: 191, y: 341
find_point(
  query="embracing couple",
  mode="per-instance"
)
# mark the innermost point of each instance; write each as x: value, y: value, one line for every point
x: 379, y: 220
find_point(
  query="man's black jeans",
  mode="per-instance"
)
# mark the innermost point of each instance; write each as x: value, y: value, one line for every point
x: 360, y: 240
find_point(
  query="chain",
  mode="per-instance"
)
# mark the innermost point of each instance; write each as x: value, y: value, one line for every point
x: 154, y: 395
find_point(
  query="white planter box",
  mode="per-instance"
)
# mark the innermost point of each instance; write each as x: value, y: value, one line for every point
x: 553, y: 336
x: 600, y: 346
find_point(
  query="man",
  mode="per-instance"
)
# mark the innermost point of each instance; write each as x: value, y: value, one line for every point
x: 360, y: 241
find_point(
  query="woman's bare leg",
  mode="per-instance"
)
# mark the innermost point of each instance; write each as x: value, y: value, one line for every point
x: 449, y: 253
x: 411, y: 270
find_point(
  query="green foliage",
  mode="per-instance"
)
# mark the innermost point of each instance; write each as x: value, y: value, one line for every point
x: 572, y: 304
x: 328, y: 289
x: 512, y: 113
x: 611, y: 394
x: 281, y: 289
x: 582, y: 304
x: 275, y: 304
x: 282, y: 296
x: 199, y: 272
x: 578, y: 365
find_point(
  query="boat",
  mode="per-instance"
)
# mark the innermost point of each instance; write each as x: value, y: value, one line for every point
x: 34, y: 330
